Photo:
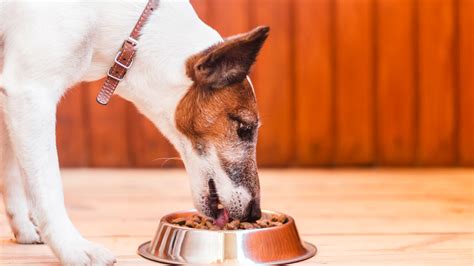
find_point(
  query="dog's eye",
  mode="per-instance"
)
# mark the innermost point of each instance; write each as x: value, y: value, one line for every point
x: 245, y: 131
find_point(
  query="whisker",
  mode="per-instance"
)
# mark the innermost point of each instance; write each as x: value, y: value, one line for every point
x: 165, y: 160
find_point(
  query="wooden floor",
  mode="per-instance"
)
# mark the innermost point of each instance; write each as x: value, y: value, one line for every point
x: 355, y: 217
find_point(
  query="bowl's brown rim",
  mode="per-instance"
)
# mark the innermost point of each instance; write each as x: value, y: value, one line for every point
x: 164, y: 220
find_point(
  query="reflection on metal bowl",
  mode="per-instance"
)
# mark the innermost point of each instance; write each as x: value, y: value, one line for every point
x: 175, y: 244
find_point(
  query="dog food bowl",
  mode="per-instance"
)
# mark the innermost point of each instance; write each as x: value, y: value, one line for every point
x: 174, y: 244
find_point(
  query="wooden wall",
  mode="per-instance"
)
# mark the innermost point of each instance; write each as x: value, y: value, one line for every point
x: 339, y: 83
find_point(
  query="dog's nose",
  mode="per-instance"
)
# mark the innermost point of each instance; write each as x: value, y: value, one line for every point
x: 254, y: 211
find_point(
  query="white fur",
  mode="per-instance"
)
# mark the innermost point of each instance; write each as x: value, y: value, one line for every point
x: 45, y: 48
x: 230, y: 194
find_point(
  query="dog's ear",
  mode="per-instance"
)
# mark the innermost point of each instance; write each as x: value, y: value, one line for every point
x: 228, y: 62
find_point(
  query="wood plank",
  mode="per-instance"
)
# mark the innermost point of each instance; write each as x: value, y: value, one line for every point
x: 272, y: 78
x: 396, y: 97
x: 313, y: 82
x: 363, y: 217
x: 229, y: 17
x: 107, y: 130
x: 71, y: 132
x: 466, y: 82
x: 354, y: 82
x: 436, y: 135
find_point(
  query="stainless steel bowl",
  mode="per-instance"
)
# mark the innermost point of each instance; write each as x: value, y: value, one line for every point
x: 174, y: 244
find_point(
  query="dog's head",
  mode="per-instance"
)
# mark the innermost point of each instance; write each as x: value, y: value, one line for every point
x: 218, y: 118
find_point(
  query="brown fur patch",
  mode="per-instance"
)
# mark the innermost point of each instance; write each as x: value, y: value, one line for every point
x: 211, y: 116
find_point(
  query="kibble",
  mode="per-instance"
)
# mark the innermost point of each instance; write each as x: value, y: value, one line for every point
x: 199, y: 222
x: 179, y: 221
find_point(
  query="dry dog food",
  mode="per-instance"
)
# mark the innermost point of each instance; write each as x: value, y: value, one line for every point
x: 199, y: 222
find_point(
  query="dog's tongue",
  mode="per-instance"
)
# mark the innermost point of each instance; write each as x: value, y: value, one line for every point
x: 222, y: 218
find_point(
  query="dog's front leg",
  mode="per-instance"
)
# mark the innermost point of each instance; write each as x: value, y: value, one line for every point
x: 30, y: 117
x: 14, y: 193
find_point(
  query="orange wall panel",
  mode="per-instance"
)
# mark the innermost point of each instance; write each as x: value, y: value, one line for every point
x: 71, y: 131
x: 466, y: 83
x: 354, y: 87
x: 273, y: 81
x: 314, y: 86
x: 396, y: 82
x: 437, y: 91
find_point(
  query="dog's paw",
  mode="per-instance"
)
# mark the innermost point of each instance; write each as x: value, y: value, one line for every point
x: 27, y: 233
x: 85, y: 253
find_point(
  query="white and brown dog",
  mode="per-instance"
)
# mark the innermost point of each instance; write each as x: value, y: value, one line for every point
x: 185, y: 78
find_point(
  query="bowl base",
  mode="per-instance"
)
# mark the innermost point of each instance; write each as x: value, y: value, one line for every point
x: 143, y: 250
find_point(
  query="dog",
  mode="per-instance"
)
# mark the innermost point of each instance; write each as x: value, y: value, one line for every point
x: 188, y: 80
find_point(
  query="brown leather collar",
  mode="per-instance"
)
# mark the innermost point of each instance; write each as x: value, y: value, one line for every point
x: 124, y: 58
